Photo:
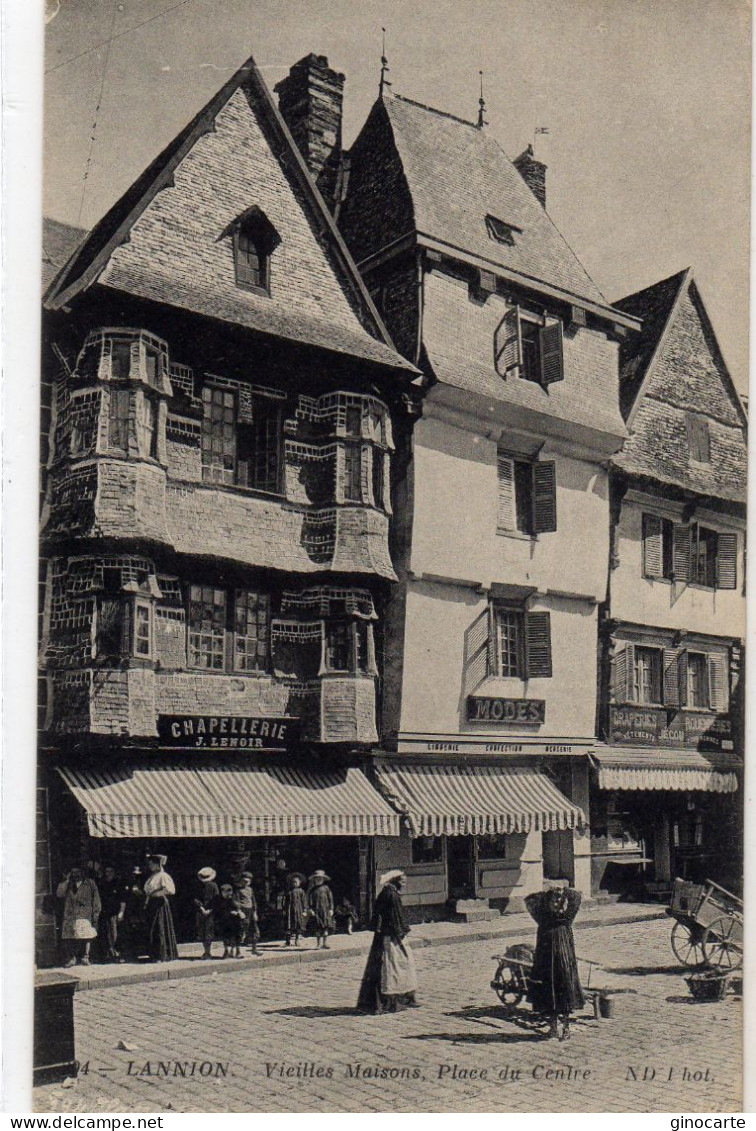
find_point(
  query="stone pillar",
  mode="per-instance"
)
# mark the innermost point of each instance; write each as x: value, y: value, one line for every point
x: 581, y: 838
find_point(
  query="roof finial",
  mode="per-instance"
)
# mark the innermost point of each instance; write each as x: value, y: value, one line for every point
x: 384, y: 66
x: 481, y: 105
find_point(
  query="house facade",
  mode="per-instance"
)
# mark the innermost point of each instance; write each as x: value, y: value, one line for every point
x: 221, y: 400
x: 667, y: 784
x: 502, y: 508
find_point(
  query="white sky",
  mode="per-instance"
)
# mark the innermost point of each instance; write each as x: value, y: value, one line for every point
x: 647, y: 103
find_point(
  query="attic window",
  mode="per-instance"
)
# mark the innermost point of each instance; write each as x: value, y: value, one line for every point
x: 254, y: 241
x: 500, y: 231
x: 699, y: 445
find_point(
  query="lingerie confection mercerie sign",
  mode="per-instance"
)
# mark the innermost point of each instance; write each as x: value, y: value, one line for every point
x: 228, y: 732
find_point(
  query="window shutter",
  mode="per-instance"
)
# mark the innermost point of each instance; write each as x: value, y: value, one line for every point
x: 538, y: 645
x: 492, y: 666
x: 477, y: 648
x: 623, y: 674
x: 507, y: 515
x: 718, y: 690
x: 552, y: 354
x: 508, y: 343
x: 652, y: 546
x: 727, y: 552
x: 544, y: 497
x: 671, y: 678
x: 682, y: 677
x: 681, y: 552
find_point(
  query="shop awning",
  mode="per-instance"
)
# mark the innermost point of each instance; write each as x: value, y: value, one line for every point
x: 656, y: 768
x: 200, y: 800
x: 455, y: 800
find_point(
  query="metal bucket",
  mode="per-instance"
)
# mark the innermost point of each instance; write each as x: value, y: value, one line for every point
x: 607, y: 1006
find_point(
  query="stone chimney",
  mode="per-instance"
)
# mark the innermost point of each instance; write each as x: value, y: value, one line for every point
x: 533, y: 172
x: 310, y: 99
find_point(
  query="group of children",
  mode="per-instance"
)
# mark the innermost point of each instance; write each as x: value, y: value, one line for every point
x: 229, y: 911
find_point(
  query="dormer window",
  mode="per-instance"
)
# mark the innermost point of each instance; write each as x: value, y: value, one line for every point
x: 502, y: 232
x: 530, y: 347
x: 254, y: 241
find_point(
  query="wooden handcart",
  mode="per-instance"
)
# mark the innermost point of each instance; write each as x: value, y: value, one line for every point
x: 708, y: 928
x: 511, y: 980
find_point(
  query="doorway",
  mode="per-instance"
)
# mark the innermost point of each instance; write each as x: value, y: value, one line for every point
x: 460, y: 864
x: 558, y: 855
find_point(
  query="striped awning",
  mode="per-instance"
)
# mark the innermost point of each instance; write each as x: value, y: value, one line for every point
x: 656, y: 768
x: 201, y: 800
x: 455, y: 800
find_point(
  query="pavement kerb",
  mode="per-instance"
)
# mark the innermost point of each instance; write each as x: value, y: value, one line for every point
x: 170, y: 972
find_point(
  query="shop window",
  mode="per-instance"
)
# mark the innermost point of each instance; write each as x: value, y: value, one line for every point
x: 526, y: 495
x: 521, y: 643
x: 492, y: 846
x: 427, y: 850
x: 648, y: 675
x: 523, y: 345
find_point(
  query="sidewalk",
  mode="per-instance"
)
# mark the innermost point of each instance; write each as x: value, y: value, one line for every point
x: 519, y: 927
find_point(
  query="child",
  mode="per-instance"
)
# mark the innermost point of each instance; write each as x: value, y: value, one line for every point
x: 346, y: 916
x: 320, y: 903
x: 295, y: 910
x: 230, y: 922
x: 245, y: 897
x: 205, y: 904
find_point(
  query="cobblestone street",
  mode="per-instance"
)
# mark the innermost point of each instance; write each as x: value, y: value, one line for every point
x: 288, y: 1040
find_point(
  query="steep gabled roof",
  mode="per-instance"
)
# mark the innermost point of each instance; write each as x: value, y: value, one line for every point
x: 458, y: 174
x: 217, y: 164
x: 59, y: 241
x: 654, y: 305
x: 672, y: 375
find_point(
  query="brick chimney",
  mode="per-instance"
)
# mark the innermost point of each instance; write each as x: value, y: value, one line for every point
x: 310, y: 99
x: 533, y: 172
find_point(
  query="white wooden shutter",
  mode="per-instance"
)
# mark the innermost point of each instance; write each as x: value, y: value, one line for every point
x: 652, y: 546
x: 682, y: 677
x: 538, y: 645
x: 544, y: 497
x: 623, y: 674
x: 508, y: 343
x: 477, y: 648
x: 681, y: 552
x: 719, y: 699
x: 671, y: 678
x: 552, y: 354
x: 507, y: 511
x: 727, y: 568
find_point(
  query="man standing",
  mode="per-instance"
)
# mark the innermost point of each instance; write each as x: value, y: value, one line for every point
x: 113, y: 894
x: 390, y: 981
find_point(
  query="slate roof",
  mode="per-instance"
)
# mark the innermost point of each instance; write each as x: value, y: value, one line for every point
x: 59, y: 241
x: 654, y: 306
x: 354, y: 328
x: 457, y: 174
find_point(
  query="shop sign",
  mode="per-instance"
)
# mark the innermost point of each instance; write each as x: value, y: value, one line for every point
x: 482, y: 709
x: 655, y: 726
x: 228, y: 732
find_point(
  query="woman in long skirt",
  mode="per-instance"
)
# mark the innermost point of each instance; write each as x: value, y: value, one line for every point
x: 554, y: 985
x: 390, y: 981
x: 161, y: 937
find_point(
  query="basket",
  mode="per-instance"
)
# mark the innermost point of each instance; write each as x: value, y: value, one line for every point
x: 707, y: 986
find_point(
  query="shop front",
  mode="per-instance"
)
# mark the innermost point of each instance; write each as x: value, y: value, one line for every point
x: 486, y: 834
x: 232, y: 816
x: 658, y: 814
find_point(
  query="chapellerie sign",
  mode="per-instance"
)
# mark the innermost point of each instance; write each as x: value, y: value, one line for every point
x: 228, y: 732
x: 485, y: 709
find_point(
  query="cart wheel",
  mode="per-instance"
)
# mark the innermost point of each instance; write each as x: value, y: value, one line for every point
x: 508, y: 985
x: 719, y: 945
x: 687, y: 943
